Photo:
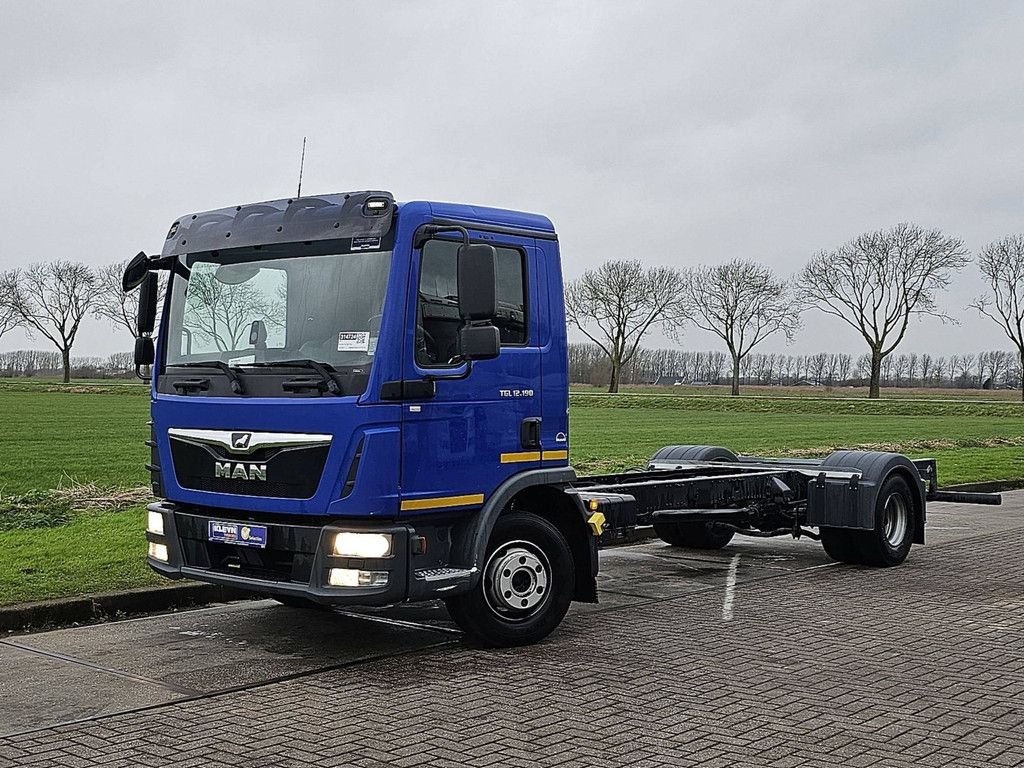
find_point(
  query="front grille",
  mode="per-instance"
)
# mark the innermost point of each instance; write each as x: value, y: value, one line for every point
x: 291, y: 473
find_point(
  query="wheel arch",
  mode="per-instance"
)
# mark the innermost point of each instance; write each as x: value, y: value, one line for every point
x: 878, y: 466
x: 542, y: 492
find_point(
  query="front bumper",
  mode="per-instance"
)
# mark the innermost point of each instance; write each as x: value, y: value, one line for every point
x: 295, y: 562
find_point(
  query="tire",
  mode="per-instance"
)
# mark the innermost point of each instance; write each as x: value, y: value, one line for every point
x: 841, y: 544
x: 693, y: 535
x: 526, y: 587
x: 889, y: 543
x: 684, y: 453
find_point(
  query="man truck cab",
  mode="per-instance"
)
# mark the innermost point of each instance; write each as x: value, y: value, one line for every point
x: 342, y: 385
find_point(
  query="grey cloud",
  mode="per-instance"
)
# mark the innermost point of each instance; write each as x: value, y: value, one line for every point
x: 677, y: 132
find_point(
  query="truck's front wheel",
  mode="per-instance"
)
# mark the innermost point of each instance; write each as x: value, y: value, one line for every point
x: 526, y: 585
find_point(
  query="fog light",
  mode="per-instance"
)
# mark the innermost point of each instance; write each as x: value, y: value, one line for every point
x: 349, y: 544
x: 155, y: 523
x: 350, y: 577
x: 158, y: 551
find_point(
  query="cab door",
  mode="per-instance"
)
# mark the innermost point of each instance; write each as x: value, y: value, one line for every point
x: 482, y: 423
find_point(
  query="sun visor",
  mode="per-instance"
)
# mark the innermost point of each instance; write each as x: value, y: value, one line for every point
x: 326, y: 217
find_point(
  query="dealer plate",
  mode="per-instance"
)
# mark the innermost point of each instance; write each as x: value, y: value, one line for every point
x: 242, y: 534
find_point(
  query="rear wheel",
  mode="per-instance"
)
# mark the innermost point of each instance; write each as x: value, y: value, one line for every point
x: 841, y: 544
x: 693, y: 535
x: 890, y: 541
x: 526, y: 586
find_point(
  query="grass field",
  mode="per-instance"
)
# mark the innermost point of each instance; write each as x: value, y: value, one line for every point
x: 94, y: 432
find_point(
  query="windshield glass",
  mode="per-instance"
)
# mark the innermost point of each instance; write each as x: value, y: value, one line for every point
x: 251, y: 309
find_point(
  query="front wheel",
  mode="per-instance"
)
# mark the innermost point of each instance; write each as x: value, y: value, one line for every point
x: 526, y: 586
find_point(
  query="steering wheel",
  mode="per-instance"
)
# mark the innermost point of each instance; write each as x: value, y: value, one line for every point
x: 426, y: 344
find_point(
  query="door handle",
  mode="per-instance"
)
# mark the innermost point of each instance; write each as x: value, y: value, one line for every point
x: 529, y: 432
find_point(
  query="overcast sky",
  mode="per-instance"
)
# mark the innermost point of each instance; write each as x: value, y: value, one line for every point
x: 678, y: 133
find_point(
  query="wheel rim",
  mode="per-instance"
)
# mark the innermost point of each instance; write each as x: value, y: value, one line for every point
x: 896, y: 520
x: 517, y: 577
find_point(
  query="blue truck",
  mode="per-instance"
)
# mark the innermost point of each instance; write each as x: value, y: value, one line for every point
x: 357, y: 401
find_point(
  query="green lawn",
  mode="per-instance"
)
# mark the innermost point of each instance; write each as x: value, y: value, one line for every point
x: 95, y: 431
x: 970, y: 448
x: 48, y: 437
x: 93, y: 554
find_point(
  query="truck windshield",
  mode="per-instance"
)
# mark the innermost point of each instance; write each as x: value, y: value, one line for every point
x: 254, y: 308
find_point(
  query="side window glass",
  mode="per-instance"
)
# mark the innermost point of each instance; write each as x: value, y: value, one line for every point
x: 437, y: 306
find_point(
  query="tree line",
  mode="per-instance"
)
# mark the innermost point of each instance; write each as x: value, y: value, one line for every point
x: 40, y: 362
x: 875, y: 283
x: 996, y: 369
x: 50, y: 299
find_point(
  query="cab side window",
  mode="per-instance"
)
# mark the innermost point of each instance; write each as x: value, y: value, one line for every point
x: 437, y: 307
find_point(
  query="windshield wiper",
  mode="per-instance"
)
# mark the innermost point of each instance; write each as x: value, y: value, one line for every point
x: 324, y: 370
x: 230, y: 371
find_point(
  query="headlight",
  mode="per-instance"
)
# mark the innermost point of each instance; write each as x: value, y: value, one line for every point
x: 158, y: 551
x: 155, y: 523
x: 366, y: 545
x: 350, y: 577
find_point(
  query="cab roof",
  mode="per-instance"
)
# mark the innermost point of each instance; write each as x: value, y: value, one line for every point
x: 324, y: 217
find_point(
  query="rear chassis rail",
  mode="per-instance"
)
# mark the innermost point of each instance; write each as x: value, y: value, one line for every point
x: 754, y: 496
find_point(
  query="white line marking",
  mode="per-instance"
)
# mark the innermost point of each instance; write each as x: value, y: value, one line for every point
x: 730, y: 588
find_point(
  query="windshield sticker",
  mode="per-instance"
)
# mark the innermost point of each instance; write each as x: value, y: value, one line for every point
x: 243, y: 360
x: 365, y: 243
x: 372, y: 349
x: 353, y: 341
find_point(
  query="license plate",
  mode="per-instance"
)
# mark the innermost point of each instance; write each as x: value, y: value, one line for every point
x: 242, y: 534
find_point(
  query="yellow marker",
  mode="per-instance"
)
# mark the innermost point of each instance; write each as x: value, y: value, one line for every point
x: 443, y: 501
x: 515, y: 458
x: 596, y: 523
x: 555, y: 455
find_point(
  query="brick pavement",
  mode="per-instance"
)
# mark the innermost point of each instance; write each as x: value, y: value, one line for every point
x: 921, y: 665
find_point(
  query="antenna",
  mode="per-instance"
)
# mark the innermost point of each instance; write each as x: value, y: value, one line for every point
x: 302, y: 162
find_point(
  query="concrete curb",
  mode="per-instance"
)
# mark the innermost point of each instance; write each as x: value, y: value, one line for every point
x: 144, y: 600
x: 80, y: 610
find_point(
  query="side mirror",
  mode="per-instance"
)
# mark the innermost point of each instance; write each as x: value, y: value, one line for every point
x: 479, y: 342
x: 147, y: 304
x: 145, y: 353
x: 478, y: 282
x: 135, y: 272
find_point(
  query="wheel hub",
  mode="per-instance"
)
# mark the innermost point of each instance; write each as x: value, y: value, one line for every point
x: 896, y: 521
x: 517, y: 575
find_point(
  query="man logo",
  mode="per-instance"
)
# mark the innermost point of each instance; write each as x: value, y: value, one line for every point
x: 238, y: 471
x: 240, y: 440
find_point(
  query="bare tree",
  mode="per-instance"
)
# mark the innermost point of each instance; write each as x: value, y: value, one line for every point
x: 1002, y: 265
x: 617, y: 303
x: 742, y: 303
x: 114, y: 304
x: 877, y: 281
x: 926, y: 368
x: 9, y: 317
x: 51, y: 299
